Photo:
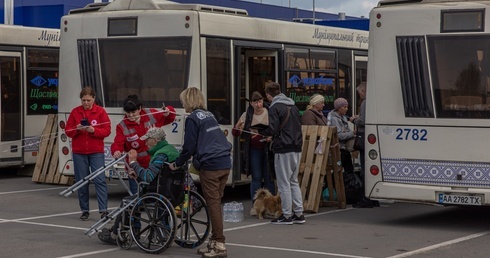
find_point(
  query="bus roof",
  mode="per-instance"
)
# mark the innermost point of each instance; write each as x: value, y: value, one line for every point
x: 397, y: 2
x: 29, y: 36
x: 123, y: 5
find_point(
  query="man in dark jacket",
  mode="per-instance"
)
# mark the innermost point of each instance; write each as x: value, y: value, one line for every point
x: 285, y: 128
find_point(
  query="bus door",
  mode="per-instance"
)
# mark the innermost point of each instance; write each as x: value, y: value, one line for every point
x: 360, y: 75
x: 254, y: 69
x: 11, y: 108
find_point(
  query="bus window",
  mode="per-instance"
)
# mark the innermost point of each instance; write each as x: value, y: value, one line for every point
x: 308, y: 72
x: 461, y: 78
x: 219, y: 79
x: 42, y: 81
x: 11, y: 98
x: 128, y: 69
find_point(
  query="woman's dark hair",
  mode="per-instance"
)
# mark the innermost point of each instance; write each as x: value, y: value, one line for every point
x: 256, y: 96
x: 131, y: 103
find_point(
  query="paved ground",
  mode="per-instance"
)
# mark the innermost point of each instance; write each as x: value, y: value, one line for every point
x: 36, y: 222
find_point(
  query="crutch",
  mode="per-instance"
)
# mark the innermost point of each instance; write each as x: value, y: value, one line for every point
x: 112, y: 215
x: 92, y: 175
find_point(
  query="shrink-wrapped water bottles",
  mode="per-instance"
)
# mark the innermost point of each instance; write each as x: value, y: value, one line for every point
x: 233, y: 212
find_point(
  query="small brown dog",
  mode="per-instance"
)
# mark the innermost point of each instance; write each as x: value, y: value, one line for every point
x: 266, y: 204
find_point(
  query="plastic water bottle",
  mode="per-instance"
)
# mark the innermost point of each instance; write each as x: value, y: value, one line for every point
x: 239, y: 212
x: 227, y: 212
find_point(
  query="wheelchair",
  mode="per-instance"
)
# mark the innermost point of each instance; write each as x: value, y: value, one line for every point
x: 164, y: 211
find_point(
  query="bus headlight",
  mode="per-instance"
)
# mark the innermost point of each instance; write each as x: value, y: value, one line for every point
x: 63, y: 137
x: 373, y: 154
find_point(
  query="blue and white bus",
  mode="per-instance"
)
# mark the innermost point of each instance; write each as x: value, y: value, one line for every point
x: 428, y: 102
x: 29, y: 60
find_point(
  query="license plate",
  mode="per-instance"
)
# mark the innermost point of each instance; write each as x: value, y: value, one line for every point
x: 116, y: 174
x: 123, y: 174
x: 460, y: 199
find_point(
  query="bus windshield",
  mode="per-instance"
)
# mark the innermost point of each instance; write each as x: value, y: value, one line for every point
x: 156, y: 69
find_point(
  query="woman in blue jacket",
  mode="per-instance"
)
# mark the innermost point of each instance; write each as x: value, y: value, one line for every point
x: 211, y: 155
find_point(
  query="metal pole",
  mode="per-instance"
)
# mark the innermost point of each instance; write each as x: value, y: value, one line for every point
x: 313, y: 11
x: 8, y: 12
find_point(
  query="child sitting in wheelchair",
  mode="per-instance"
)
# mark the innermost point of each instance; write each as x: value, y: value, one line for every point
x: 162, y: 153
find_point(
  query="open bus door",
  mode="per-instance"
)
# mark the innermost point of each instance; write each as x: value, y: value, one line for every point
x: 254, y: 68
x: 11, y: 109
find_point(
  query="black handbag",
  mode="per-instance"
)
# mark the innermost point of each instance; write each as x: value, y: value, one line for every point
x: 359, y: 141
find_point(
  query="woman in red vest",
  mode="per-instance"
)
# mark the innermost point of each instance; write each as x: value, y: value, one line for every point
x: 136, y: 122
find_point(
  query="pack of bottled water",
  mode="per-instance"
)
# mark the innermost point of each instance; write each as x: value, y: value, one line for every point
x: 233, y: 212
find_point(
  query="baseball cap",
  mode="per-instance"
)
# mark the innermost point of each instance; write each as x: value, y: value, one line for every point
x: 154, y: 132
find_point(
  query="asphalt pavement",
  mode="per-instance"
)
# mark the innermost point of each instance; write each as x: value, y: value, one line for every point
x: 36, y: 221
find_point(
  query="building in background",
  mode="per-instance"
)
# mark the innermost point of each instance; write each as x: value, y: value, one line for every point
x: 47, y: 13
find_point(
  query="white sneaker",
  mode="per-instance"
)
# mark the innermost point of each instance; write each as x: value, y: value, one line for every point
x: 208, y: 248
x: 253, y: 212
x: 219, y: 251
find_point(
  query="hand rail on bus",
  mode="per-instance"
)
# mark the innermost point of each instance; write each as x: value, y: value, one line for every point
x: 67, y: 192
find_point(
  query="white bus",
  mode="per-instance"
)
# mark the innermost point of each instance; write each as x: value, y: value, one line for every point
x: 428, y: 102
x: 29, y: 90
x: 157, y: 48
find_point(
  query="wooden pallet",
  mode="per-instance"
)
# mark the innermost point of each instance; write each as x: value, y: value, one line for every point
x: 46, y: 169
x: 335, y: 178
x: 314, y: 165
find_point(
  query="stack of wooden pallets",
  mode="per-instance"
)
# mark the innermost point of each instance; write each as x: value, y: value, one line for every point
x: 46, y: 169
x: 319, y: 159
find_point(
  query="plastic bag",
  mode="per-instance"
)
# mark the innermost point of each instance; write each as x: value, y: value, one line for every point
x: 319, y: 146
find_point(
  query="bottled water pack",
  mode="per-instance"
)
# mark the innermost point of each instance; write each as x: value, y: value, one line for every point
x: 233, y: 212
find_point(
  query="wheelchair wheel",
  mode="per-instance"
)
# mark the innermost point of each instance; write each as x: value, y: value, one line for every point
x: 124, y: 239
x: 153, y: 223
x: 194, y: 225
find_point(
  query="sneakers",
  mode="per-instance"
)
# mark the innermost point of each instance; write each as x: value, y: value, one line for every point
x: 298, y: 219
x: 282, y: 221
x: 106, y: 236
x: 208, y: 248
x: 253, y: 212
x: 103, y: 214
x: 219, y: 251
x: 84, y: 216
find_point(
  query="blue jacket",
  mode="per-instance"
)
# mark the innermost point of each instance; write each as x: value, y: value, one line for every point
x: 205, y: 142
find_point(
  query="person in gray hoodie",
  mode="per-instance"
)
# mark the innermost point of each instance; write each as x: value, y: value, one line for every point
x: 287, y: 141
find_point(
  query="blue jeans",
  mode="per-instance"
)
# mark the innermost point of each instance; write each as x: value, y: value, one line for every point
x: 133, y: 186
x: 258, y: 170
x: 84, y: 164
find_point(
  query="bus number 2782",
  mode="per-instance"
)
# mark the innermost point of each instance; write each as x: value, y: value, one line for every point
x: 406, y: 134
